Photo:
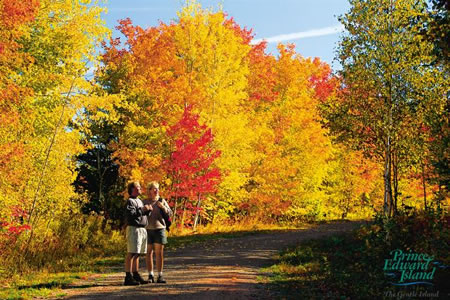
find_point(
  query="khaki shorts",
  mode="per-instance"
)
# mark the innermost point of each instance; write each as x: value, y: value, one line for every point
x: 136, y: 240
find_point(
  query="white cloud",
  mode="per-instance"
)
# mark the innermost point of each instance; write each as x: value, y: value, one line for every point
x: 301, y: 35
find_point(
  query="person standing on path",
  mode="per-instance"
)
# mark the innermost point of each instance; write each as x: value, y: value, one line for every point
x: 136, y: 214
x: 156, y: 231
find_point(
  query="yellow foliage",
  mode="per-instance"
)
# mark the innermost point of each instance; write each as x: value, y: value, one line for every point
x: 60, y: 40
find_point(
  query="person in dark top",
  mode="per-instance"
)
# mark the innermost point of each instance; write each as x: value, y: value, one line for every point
x: 136, y: 214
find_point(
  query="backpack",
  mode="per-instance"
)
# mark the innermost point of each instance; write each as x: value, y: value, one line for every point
x: 166, y: 217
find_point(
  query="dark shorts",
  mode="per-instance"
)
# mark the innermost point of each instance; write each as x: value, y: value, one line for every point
x: 157, y: 236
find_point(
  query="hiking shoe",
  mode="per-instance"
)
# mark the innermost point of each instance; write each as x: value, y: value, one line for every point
x: 151, y: 278
x: 130, y: 281
x: 160, y: 280
x: 137, y: 277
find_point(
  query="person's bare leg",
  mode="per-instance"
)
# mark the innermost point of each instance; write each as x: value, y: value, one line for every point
x: 135, y: 269
x: 159, y: 252
x: 149, y: 262
x: 128, y: 260
x: 149, y: 258
x: 135, y: 263
x: 129, y: 265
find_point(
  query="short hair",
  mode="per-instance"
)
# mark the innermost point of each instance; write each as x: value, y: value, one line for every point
x: 152, y: 185
x: 131, y: 186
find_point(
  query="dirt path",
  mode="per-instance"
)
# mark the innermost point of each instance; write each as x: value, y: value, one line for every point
x: 222, y: 269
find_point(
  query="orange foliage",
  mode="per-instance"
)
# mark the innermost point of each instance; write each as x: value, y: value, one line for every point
x: 162, y: 70
x: 13, y: 14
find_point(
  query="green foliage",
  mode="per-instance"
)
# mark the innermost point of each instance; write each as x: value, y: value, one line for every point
x: 421, y: 231
x: 39, y: 286
x: 98, y: 177
x: 325, y: 269
x: 390, y: 89
x: 438, y: 30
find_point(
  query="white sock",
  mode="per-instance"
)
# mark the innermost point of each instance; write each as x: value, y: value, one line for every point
x: 160, y: 274
x: 150, y: 273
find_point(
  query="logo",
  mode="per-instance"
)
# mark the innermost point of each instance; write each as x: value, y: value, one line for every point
x: 409, y: 268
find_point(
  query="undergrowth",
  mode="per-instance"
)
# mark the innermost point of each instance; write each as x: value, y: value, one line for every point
x: 351, y: 266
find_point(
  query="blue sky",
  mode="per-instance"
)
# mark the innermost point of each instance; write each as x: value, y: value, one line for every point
x: 311, y: 25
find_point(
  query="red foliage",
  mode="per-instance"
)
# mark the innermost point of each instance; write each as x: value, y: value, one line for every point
x: 132, y: 33
x: 244, y: 33
x: 190, y: 163
x: 11, y: 229
x: 323, y: 82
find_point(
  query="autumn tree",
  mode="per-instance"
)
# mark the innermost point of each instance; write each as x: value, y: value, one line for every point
x: 352, y: 184
x: 260, y: 108
x: 198, y: 60
x: 189, y: 166
x: 51, y: 54
x: 291, y: 148
x: 214, y: 56
x: 438, y: 33
x: 144, y: 75
x: 15, y: 18
x: 387, y: 82
x: 438, y: 28
x: 98, y: 175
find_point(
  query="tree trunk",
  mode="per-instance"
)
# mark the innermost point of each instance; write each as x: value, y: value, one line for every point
x: 395, y: 181
x: 387, y: 179
x: 439, y: 198
x: 184, y: 212
x: 197, y: 212
x: 44, y: 169
x: 47, y: 155
x: 424, y: 186
x: 388, y: 201
x: 175, y: 209
x: 101, y: 197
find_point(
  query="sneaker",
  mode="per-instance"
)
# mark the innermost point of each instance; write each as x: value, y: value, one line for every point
x: 160, y: 280
x: 151, y: 278
x: 137, y: 277
x: 130, y: 281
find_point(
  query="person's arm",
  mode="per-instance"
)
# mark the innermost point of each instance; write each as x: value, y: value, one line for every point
x: 166, y: 208
x: 135, y: 211
x: 148, y: 209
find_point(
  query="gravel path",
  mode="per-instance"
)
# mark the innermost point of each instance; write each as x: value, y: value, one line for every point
x: 222, y: 269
